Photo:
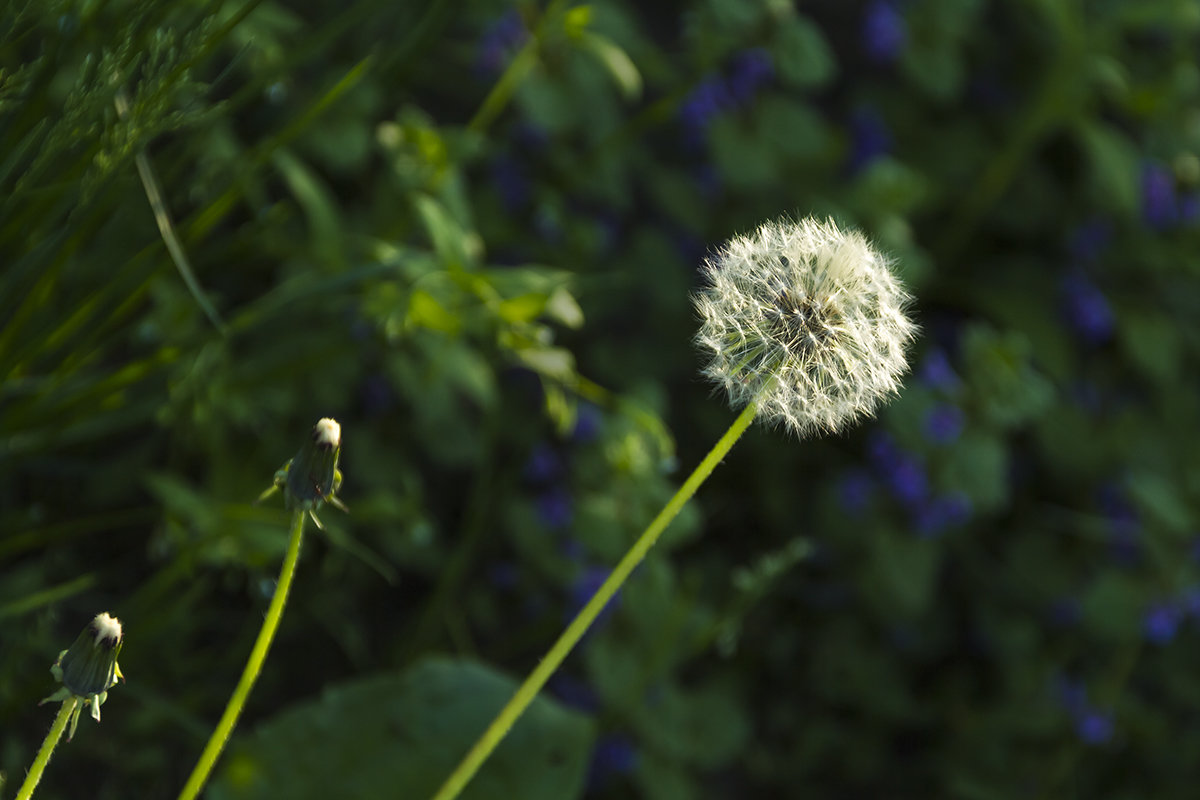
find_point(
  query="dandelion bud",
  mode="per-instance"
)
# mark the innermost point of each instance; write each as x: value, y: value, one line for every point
x: 88, y: 668
x: 314, y: 470
x: 312, y: 477
x: 806, y: 321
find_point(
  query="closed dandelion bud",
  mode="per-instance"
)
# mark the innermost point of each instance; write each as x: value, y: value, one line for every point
x: 314, y: 470
x: 805, y: 320
x: 88, y: 668
x: 312, y: 477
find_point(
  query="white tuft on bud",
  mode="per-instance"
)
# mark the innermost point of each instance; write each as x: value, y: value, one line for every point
x: 805, y: 320
x: 107, y: 630
x: 327, y: 433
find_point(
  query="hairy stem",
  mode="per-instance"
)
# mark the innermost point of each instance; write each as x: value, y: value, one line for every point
x: 258, y: 655
x: 584, y: 619
x: 48, y: 744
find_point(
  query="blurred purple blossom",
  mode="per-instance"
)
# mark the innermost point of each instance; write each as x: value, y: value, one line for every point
x: 543, y: 465
x: 944, y: 423
x: 854, y: 491
x: 1086, y: 309
x: 884, y: 33
x: 870, y: 138
x: 499, y: 41
x: 1160, y: 209
x: 511, y: 182
x: 750, y: 71
x: 1161, y: 622
x: 584, y: 587
x: 934, y: 516
x: 614, y: 755
x: 708, y: 99
x: 935, y: 371
x: 1094, y: 727
x: 573, y: 692
x: 555, y: 508
x: 588, y: 420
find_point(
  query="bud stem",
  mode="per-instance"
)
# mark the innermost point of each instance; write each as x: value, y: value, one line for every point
x: 584, y: 619
x: 258, y: 655
x: 48, y: 745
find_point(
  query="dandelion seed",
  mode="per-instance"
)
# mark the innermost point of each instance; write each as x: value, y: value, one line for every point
x: 805, y: 320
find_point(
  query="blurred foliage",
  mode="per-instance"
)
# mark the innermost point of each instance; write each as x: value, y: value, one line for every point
x: 468, y: 232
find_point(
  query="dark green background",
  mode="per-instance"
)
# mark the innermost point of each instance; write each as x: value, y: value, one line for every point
x: 990, y: 591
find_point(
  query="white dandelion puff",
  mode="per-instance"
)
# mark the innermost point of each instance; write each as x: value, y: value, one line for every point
x: 805, y: 320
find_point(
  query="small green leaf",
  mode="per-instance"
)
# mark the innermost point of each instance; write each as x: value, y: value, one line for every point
x: 424, y: 311
x: 616, y: 61
x: 801, y: 54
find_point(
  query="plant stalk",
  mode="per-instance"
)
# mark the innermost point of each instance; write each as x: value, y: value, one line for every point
x: 266, y: 634
x: 583, y: 620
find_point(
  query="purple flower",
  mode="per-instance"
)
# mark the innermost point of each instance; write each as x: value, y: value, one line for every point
x: 1189, y: 208
x: 883, y: 32
x: 854, y: 491
x: 942, y: 512
x: 499, y: 41
x: 574, y: 693
x: 1159, y: 206
x: 1094, y: 727
x: 614, y: 755
x: 511, y: 183
x: 1189, y: 601
x: 944, y: 423
x: 1087, y: 310
x: 708, y: 99
x: 936, y: 372
x: 582, y: 590
x: 870, y: 138
x: 543, y: 465
x: 1161, y: 622
x: 588, y: 420
x: 907, y: 480
x: 751, y: 70
x: 554, y: 508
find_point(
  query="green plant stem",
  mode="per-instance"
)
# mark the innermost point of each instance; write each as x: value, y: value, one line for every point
x: 258, y: 655
x: 48, y: 744
x: 584, y: 619
x: 521, y: 64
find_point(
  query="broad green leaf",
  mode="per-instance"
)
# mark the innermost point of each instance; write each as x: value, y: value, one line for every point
x: 401, y: 735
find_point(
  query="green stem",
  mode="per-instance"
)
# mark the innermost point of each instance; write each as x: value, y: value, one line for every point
x: 43, y: 756
x: 510, y: 80
x: 579, y: 626
x: 258, y: 655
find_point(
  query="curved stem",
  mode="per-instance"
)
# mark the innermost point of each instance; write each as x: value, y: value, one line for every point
x: 584, y: 619
x: 48, y: 744
x: 258, y: 655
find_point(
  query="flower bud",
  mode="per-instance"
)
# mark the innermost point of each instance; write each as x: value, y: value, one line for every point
x: 89, y: 666
x: 313, y: 473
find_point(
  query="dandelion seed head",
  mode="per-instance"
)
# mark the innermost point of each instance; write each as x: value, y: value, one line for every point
x: 807, y: 321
